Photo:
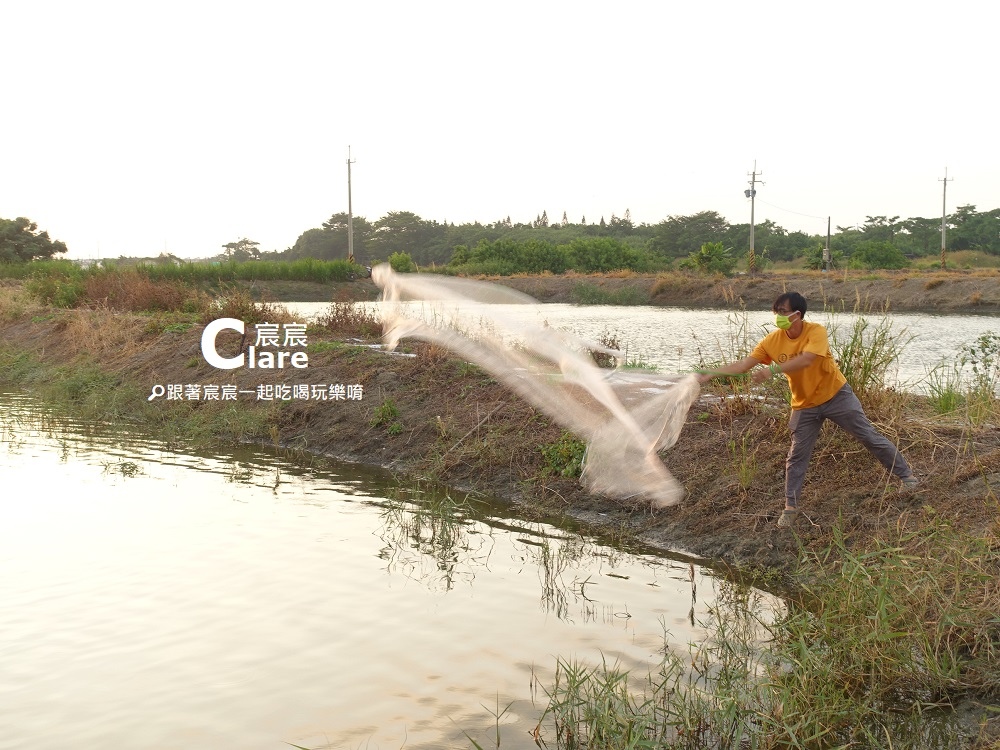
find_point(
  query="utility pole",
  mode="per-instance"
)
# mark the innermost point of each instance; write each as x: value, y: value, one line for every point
x: 350, y: 213
x: 826, y: 250
x: 944, y: 212
x: 751, y: 194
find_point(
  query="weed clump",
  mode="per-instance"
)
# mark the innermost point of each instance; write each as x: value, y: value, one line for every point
x: 346, y: 318
x: 238, y: 303
x: 857, y: 657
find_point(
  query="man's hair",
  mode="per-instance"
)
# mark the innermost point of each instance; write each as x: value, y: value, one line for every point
x: 793, y: 300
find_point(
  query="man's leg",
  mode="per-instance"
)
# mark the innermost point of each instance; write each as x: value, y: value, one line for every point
x: 845, y: 410
x: 804, y: 425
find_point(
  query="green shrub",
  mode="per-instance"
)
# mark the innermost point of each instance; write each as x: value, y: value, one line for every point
x: 565, y: 456
x: 712, y: 258
x: 402, y: 263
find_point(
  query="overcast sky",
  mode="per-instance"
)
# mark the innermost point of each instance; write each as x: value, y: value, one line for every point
x: 134, y: 128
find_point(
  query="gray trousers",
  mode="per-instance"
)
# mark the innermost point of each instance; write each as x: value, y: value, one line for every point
x: 845, y: 411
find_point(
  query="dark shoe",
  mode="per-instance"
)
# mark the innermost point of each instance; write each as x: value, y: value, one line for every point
x: 910, y: 484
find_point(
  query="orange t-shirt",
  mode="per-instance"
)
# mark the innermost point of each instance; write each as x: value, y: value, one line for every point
x: 817, y: 383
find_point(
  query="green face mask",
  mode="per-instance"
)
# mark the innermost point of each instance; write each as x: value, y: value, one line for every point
x: 784, y: 322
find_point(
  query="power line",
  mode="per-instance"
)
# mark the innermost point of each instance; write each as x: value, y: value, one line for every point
x: 797, y: 213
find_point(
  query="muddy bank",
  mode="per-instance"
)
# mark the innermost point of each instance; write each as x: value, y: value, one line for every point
x: 903, y: 291
x: 426, y: 414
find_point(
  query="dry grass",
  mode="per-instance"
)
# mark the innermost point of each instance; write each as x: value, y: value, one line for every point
x: 101, y: 335
x: 131, y: 291
x: 345, y: 318
x: 16, y: 303
x: 238, y: 303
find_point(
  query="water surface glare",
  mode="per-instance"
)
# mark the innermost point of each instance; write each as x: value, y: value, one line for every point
x: 677, y: 339
x: 153, y: 597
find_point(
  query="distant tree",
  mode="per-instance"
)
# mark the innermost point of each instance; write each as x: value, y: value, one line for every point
x: 334, y: 245
x: 880, y: 228
x: 321, y: 244
x: 623, y: 225
x: 599, y: 254
x: 397, y: 231
x: 678, y: 236
x: 20, y: 240
x: 919, y: 236
x: 974, y: 230
x: 565, y: 220
x: 459, y: 256
x: 241, y: 250
x: 872, y: 254
x: 846, y: 239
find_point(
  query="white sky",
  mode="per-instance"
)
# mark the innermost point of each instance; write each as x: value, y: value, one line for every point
x: 133, y: 128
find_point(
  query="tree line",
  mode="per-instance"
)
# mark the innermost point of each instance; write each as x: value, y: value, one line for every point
x: 507, y: 247
x: 543, y: 245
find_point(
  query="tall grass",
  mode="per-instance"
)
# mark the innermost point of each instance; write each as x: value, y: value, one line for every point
x: 161, y: 286
x: 876, y: 642
x: 238, y: 303
x: 740, y: 339
x: 346, y: 318
x: 868, y: 352
x: 304, y: 269
x: 968, y: 388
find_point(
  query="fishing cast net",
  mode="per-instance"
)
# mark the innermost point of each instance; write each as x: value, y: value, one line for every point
x: 625, y: 416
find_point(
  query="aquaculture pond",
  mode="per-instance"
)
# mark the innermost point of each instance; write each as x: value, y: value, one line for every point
x: 158, y: 597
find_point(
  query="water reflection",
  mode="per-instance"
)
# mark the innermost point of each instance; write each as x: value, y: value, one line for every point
x: 438, y: 541
x: 435, y: 542
x: 158, y: 597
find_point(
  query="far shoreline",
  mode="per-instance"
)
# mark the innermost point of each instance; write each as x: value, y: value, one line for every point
x: 965, y: 291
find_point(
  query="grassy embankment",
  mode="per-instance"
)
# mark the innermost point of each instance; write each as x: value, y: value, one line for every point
x: 887, y: 622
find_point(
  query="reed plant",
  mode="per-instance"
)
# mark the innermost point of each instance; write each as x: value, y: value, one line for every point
x: 130, y: 290
x: 347, y: 318
x: 744, y: 458
x: 303, y: 269
x: 862, y: 655
x: 162, y: 285
x: 868, y: 352
x: 237, y: 302
x: 741, y: 395
x: 944, y: 388
x: 51, y: 267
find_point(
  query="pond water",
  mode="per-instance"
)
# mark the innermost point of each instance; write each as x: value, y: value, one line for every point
x: 675, y: 339
x: 156, y: 597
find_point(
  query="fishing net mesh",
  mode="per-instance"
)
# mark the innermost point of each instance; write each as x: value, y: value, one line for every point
x: 625, y: 416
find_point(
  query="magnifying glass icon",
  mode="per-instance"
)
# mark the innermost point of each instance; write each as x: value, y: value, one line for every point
x: 158, y: 390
